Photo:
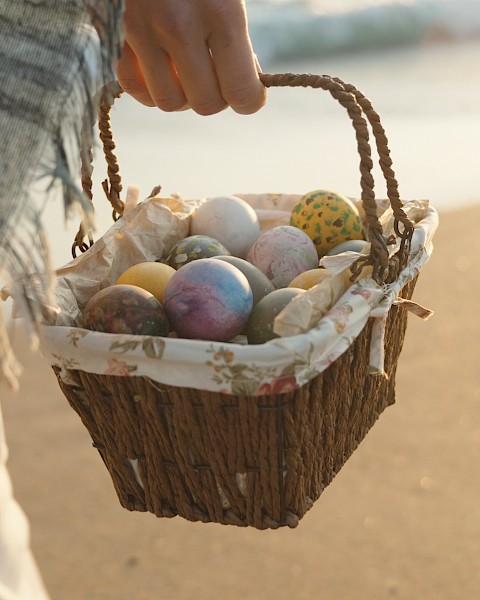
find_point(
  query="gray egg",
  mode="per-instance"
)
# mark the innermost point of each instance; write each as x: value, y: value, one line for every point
x: 260, y: 284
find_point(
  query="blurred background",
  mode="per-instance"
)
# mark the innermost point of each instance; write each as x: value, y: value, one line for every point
x: 417, y: 60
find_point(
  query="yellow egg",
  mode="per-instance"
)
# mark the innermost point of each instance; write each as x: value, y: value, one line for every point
x: 151, y: 276
x: 308, y: 279
x: 328, y: 219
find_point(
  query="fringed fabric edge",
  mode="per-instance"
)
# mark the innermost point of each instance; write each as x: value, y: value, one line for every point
x: 26, y: 262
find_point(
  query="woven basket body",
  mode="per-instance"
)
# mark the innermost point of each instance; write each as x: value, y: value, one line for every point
x: 259, y: 460
x: 249, y: 461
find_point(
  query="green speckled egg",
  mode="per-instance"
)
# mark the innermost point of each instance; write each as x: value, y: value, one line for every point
x: 193, y: 248
x: 328, y: 219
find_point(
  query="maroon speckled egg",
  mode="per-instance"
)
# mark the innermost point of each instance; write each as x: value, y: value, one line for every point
x: 125, y: 309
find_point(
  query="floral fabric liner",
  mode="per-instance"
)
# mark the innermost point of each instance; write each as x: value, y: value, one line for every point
x: 148, y: 231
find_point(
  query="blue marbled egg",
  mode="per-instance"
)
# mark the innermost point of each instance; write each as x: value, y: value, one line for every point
x: 208, y: 299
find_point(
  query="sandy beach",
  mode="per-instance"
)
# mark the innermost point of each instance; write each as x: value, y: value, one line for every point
x: 401, y: 519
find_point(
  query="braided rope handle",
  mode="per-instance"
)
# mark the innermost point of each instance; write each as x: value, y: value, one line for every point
x: 399, y: 260
x: 361, y: 113
x: 112, y: 186
x: 86, y: 158
x: 357, y: 105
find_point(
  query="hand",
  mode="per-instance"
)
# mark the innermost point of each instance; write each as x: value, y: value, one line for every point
x: 195, y: 54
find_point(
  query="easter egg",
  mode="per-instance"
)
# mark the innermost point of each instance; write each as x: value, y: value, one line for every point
x: 282, y: 253
x: 194, y: 247
x: 328, y: 219
x: 260, y: 324
x: 310, y: 278
x: 230, y: 220
x: 259, y: 283
x: 125, y: 309
x: 208, y: 299
x: 151, y: 276
x: 350, y: 246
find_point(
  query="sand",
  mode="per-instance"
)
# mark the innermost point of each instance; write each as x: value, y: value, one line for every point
x: 401, y: 519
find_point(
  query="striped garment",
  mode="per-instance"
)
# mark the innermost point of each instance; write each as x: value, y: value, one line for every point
x: 55, y: 55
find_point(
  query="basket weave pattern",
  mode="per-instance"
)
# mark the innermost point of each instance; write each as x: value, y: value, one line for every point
x: 258, y: 461
x: 189, y: 443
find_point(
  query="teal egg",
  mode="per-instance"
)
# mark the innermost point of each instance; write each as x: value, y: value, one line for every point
x: 260, y: 324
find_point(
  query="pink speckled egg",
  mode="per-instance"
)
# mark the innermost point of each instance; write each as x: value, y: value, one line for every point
x: 208, y: 299
x: 282, y: 253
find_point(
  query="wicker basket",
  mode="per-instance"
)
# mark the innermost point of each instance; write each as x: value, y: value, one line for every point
x: 258, y: 461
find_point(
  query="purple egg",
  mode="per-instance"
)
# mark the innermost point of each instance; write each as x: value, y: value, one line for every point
x: 282, y: 253
x: 208, y: 299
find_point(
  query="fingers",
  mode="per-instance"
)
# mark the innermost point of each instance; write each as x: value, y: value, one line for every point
x: 215, y: 62
x: 196, y: 54
x: 130, y: 77
x: 184, y: 75
x: 200, y: 86
x: 237, y: 73
x: 150, y: 77
x: 160, y: 76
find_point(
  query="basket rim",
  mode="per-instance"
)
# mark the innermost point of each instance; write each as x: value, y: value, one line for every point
x: 234, y: 368
x: 295, y: 360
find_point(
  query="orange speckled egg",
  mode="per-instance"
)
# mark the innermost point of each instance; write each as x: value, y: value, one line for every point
x: 328, y: 219
x: 308, y: 279
x: 150, y: 276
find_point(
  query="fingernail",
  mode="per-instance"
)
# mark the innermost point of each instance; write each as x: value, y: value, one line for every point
x: 257, y: 64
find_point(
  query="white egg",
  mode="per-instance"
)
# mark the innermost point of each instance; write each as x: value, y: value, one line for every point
x: 230, y: 220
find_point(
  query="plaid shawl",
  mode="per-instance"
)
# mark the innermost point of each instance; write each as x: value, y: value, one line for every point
x: 55, y: 55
